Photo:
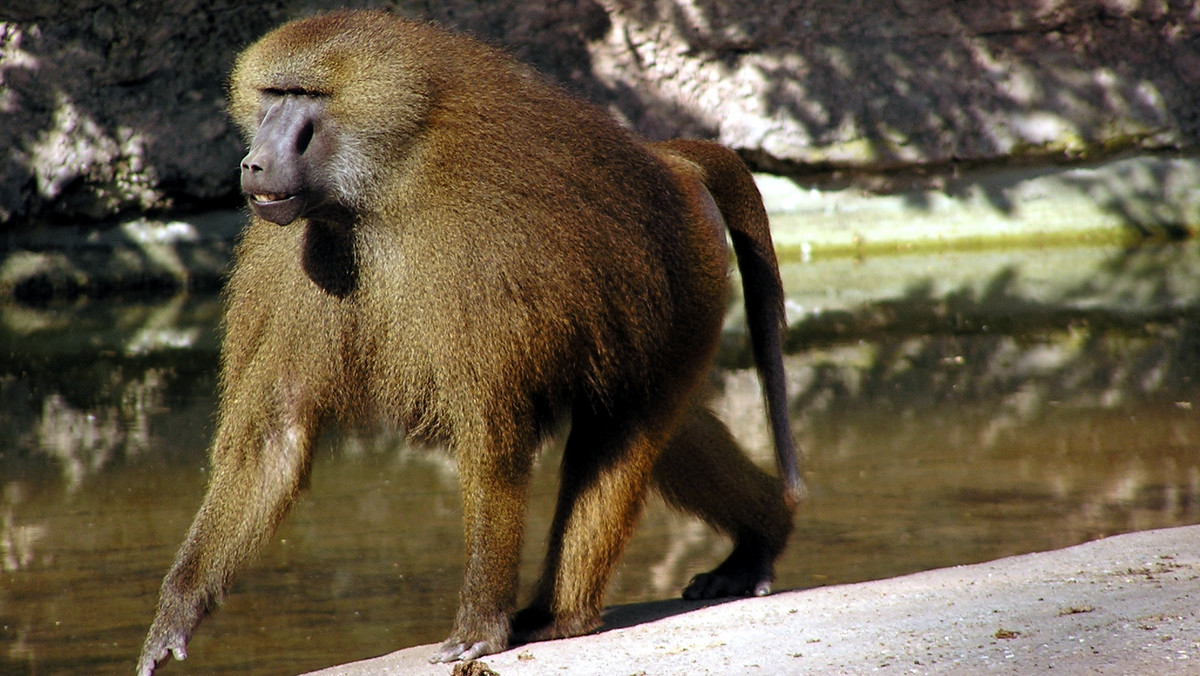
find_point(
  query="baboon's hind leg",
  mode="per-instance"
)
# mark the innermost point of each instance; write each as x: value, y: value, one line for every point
x: 605, y: 477
x: 703, y: 471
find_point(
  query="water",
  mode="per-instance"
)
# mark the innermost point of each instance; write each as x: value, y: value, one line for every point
x: 954, y: 407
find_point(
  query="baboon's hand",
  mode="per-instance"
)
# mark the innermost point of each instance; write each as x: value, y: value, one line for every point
x: 454, y: 650
x: 166, y: 635
x: 153, y: 654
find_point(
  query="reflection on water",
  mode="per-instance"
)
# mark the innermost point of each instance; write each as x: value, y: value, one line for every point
x: 954, y: 408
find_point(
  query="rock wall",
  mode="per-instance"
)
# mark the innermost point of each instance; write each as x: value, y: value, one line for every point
x: 117, y: 105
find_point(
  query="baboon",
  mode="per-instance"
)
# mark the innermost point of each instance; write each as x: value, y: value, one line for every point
x: 441, y: 239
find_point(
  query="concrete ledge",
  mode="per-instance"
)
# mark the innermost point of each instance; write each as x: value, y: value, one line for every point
x: 138, y: 257
x: 1124, y: 200
x: 1123, y: 605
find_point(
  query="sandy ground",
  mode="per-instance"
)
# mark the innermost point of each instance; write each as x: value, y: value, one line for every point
x: 1122, y: 605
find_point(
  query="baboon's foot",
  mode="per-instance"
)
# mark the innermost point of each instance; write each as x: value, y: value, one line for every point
x: 748, y: 571
x: 536, y: 624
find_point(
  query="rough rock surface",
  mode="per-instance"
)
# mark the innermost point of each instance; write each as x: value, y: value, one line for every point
x: 107, y: 106
x: 1122, y: 605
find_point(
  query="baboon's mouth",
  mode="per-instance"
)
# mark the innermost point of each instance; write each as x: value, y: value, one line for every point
x: 266, y: 198
x: 278, y: 208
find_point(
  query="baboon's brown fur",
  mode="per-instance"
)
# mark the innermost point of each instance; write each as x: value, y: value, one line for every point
x: 443, y: 240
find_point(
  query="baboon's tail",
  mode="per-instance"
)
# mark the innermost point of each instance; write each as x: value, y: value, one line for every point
x: 737, y: 197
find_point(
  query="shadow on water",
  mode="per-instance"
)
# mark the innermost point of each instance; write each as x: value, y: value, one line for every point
x: 954, y: 408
